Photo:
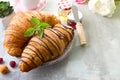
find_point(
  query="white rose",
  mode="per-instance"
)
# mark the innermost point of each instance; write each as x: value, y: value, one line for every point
x: 102, y: 7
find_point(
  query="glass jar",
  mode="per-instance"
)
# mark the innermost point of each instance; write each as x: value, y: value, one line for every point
x: 63, y: 15
x: 64, y: 9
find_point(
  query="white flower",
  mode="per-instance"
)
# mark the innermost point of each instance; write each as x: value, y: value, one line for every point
x: 102, y: 7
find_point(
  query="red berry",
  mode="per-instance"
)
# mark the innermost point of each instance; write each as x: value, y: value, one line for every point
x: 71, y: 23
x: 12, y: 64
x: 1, y: 60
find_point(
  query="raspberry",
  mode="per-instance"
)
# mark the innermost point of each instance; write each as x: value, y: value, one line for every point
x: 1, y: 60
x: 12, y: 64
x: 71, y: 23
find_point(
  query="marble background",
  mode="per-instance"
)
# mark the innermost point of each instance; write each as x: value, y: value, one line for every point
x: 99, y: 60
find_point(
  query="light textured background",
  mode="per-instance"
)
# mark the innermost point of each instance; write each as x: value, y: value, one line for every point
x: 99, y: 60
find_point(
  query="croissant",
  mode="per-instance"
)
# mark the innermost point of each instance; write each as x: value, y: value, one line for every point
x: 14, y: 41
x: 49, y: 47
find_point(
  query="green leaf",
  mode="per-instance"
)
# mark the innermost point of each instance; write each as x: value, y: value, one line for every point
x: 40, y: 33
x: 38, y: 26
x: 5, y: 9
x: 29, y: 32
x: 44, y: 25
x: 6, y: 13
x: 35, y: 21
x: 3, y: 6
x: 10, y: 10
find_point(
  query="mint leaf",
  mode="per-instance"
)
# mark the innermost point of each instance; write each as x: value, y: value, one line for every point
x: 38, y: 26
x: 29, y: 32
x: 35, y: 21
x: 40, y: 33
x: 44, y: 25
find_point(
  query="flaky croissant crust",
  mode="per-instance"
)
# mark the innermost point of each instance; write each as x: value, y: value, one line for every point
x: 41, y: 50
x: 36, y: 51
x: 14, y: 40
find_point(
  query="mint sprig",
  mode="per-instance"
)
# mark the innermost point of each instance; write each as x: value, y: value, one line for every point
x: 38, y: 27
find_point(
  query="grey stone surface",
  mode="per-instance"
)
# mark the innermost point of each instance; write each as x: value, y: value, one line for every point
x: 99, y: 60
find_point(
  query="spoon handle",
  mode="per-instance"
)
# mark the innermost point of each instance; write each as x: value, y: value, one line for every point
x: 81, y: 34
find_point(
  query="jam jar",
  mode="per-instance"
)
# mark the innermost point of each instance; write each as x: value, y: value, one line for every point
x: 64, y: 8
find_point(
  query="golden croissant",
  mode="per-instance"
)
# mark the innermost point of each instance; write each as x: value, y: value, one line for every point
x: 49, y: 47
x: 14, y: 41
x: 36, y: 51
